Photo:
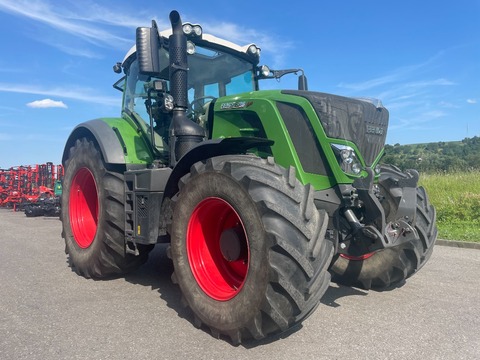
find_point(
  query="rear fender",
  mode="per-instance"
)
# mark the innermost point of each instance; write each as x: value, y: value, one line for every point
x: 117, y: 140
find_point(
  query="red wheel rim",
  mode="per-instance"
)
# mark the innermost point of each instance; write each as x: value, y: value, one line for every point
x: 209, y: 231
x: 83, y: 208
x: 357, y: 258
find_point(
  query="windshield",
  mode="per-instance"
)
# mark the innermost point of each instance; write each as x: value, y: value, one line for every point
x: 211, y: 74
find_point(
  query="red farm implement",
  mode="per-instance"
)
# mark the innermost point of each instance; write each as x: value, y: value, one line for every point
x: 21, y: 186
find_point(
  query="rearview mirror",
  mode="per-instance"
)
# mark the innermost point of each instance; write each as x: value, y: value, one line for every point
x: 302, y: 82
x: 148, y: 44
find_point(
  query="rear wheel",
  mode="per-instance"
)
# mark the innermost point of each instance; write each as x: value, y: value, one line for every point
x: 248, y: 247
x: 93, y: 215
x: 391, y: 266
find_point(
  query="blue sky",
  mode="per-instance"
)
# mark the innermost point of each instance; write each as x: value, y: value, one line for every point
x: 421, y: 58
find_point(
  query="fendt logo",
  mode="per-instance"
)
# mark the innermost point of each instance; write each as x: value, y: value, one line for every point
x: 375, y: 130
x: 235, y: 105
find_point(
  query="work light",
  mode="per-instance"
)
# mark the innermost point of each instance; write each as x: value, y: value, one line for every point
x: 192, y: 30
x: 190, y: 48
x: 254, y: 50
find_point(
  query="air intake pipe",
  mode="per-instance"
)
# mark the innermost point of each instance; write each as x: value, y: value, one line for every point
x: 184, y: 133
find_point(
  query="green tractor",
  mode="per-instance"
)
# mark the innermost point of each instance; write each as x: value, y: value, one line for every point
x: 264, y: 197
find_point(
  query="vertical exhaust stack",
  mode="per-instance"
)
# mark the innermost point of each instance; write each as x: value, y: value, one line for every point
x: 184, y: 133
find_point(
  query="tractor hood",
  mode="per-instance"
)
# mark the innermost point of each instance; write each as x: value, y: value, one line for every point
x: 361, y: 121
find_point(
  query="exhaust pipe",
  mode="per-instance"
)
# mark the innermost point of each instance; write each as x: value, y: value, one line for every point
x: 178, y: 62
x: 184, y: 133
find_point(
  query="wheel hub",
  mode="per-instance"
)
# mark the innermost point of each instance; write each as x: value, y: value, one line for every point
x: 232, y: 244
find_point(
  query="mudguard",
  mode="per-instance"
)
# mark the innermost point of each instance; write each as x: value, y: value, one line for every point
x: 118, y: 141
x: 208, y: 149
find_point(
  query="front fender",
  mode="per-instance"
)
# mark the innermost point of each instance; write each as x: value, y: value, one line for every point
x: 208, y: 149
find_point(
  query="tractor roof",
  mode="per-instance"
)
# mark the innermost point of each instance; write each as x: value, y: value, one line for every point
x: 207, y: 40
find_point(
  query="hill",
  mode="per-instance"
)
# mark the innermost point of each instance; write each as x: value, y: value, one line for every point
x: 441, y: 156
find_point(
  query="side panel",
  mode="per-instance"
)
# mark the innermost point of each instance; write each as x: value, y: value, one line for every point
x: 233, y: 117
x: 143, y: 199
x: 118, y: 140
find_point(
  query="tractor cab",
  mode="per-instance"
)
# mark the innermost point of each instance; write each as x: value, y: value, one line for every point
x: 216, y: 68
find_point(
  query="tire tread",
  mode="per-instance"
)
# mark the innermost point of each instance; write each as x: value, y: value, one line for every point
x: 298, y: 253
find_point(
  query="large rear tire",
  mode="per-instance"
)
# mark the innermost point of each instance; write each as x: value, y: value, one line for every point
x: 93, y: 215
x: 248, y: 247
x: 392, y: 266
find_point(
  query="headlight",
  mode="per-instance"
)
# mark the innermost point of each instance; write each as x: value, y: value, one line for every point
x: 356, y: 168
x: 347, y: 155
x: 347, y: 159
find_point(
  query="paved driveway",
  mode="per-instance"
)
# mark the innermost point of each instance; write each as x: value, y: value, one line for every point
x: 48, y: 312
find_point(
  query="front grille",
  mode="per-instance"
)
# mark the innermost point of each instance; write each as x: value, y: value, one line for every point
x: 358, y: 121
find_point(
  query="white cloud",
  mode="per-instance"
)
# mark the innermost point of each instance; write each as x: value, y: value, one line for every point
x: 369, y: 84
x: 472, y: 101
x: 276, y: 48
x: 416, y: 100
x: 427, y: 83
x: 86, y: 27
x: 47, y: 103
x: 80, y: 94
x: 399, y: 79
x: 106, y: 27
x: 448, y: 105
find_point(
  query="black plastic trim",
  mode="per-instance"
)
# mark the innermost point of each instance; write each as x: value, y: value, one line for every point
x: 306, y: 144
x: 105, y: 137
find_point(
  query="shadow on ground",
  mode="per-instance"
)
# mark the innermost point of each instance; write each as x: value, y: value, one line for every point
x: 156, y: 274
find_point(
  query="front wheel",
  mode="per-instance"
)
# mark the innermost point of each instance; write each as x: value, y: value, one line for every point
x: 248, y: 247
x: 391, y: 266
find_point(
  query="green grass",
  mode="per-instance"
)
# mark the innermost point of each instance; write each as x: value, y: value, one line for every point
x: 456, y: 196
